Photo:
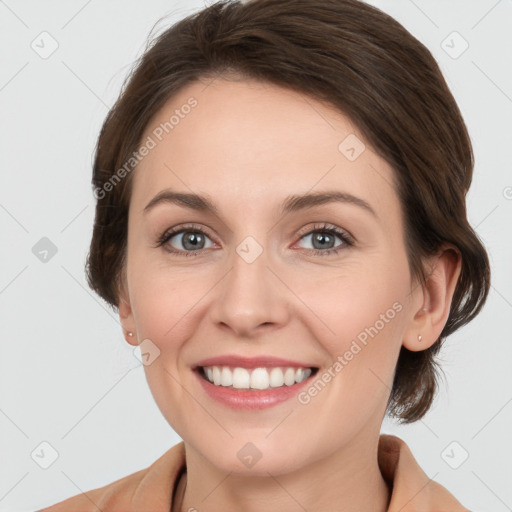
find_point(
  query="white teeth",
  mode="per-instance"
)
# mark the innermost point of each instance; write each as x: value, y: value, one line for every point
x: 258, y: 378
x: 226, y: 377
x: 289, y: 377
x: 241, y: 377
x: 216, y: 375
x: 276, y: 377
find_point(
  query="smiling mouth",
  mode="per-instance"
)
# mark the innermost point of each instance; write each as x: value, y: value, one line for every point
x: 255, y: 379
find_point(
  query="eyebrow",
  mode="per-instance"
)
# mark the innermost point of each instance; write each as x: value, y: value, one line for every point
x: 292, y: 203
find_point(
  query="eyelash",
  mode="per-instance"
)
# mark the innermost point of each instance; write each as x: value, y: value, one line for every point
x: 345, y: 237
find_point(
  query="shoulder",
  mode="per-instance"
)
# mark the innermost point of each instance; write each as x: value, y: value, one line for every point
x: 148, y: 489
x: 408, y: 482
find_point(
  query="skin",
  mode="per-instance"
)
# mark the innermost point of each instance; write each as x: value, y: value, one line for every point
x: 248, y: 146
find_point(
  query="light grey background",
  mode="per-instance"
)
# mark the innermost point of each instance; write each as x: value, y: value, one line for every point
x: 68, y: 378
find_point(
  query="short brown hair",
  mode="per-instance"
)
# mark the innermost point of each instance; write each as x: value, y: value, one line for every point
x: 369, y: 67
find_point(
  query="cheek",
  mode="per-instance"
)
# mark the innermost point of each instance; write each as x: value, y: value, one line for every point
x: 162, y: 298
x: 164, y: 311
x: 359, y: 320
x: 363, y: 316
x: 347, y: 303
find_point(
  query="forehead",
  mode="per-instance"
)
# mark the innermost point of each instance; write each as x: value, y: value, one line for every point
x: 257, y: 143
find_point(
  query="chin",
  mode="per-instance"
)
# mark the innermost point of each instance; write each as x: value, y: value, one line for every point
x: 246, y: 458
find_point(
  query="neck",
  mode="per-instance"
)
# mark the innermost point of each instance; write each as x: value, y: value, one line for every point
x: 349, y: 478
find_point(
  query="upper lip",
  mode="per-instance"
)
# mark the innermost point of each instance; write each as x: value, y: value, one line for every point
x: 251, y: 362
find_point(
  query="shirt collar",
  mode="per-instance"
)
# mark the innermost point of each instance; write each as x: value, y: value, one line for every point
x: 411, y: 489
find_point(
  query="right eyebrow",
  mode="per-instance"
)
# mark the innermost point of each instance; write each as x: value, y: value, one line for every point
x: 187, y: 200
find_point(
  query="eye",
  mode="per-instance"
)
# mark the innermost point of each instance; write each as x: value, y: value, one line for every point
x: 190, y: 241
x: 322, y: 237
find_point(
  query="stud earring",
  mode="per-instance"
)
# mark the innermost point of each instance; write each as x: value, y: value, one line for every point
x: 419, y: 337
x: 130, y: 334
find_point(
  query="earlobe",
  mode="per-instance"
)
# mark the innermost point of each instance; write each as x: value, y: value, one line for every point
x: 127, y: 322
x: 436, y: 299
x: 129, y: 337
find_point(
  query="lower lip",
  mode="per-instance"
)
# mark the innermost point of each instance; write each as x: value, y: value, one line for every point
x: 251, y: 399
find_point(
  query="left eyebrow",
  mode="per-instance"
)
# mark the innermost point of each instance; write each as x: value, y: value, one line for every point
x: 292, y: 203
x: 301, y: 202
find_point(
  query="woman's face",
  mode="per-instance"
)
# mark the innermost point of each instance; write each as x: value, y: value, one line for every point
x: 262, y: 277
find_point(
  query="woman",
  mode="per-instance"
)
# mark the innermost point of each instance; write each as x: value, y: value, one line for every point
x: 310, y: 159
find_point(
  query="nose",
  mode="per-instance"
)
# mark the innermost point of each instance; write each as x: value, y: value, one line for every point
x: 250, y: 298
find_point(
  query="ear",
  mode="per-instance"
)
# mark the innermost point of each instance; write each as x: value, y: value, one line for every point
x: 432, y: 301
x: 126, y: 315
